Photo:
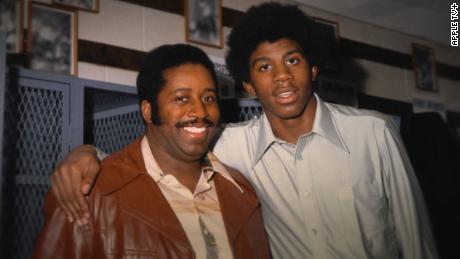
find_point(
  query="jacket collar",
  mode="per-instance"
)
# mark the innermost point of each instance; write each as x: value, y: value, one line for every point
x: 236, y: 206
x: 323, y: 125
x: 124, y: 173
x: 211, y: 165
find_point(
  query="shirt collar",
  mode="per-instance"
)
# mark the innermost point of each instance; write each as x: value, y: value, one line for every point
x: 266, y: 137
x: 211, y: 166
x: 218, y: 167
x: 323, y: 125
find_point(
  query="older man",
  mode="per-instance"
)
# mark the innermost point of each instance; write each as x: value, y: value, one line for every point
x: 164, y: 195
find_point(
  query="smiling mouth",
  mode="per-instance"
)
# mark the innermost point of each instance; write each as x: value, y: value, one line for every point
x: 195, y: 130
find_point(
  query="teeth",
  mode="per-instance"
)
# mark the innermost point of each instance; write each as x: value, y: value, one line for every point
x: 286, y: 94
x: 194, y: 129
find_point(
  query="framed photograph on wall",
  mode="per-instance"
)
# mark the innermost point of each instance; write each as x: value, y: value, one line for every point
x: 203, y: 22
x: 424, y: 67
x: 86, y: 5
x: 11, y: 21
x: 331, y: 27
x: 328, y: 33
x: 52, y: 38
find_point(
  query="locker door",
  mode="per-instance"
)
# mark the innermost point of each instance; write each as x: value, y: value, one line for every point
x: 35, y: 137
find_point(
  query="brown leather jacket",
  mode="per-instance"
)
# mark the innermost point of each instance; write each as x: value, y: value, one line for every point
x: 132, y: 219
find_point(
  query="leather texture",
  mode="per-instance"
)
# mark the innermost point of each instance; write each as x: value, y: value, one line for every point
x: 132, y: 219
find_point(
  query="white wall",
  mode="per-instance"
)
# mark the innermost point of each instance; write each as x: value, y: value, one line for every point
x: 136, y: 27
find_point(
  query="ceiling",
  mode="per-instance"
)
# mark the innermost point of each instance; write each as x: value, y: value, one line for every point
x: 428, y: 19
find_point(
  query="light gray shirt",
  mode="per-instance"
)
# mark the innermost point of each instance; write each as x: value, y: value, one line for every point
x: 345, y: 190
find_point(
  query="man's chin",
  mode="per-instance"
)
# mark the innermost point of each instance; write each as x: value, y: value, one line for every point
x: 195, y: 152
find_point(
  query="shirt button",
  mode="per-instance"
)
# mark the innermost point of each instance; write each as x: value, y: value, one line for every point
x: 314, y: 231
x: 307, y: 193
x: 370, y: 243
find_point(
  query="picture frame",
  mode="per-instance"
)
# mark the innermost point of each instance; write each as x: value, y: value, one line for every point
x: 203, y: 22
x: 330, y: 24
x: 328, y: 33
x: 85, y: 5
x: 226, y: 86
x: 11, y: 21
x: 52, y: 38
x: 424, y: 64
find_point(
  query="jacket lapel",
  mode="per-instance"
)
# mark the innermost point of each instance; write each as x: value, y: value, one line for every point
x: 124, y: 175
x: 236, y: 206
x: 144, y: 199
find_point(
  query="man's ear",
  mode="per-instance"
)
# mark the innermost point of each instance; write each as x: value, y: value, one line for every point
x: 146, y: 109
x: 249, y: 88
x: 314, y: 73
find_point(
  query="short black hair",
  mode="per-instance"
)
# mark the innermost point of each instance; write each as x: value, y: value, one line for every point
x: 150, y: 79
x: 267, y: 22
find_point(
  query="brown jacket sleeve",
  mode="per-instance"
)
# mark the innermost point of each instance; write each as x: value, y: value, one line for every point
x: 61, y: 239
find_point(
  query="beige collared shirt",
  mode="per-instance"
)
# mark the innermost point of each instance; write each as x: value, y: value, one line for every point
x: 198, y: 212
x: 345, y: 190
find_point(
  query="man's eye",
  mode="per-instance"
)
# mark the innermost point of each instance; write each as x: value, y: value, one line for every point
x: 181, y: 99
x: 264, y: 67
x: 209, y: 99
x: 292, y: 61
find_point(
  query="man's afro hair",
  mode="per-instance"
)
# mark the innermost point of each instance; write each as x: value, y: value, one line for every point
x: 267, y: 22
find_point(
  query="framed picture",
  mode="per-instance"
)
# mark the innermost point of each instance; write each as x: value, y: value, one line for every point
x: 328, y: 51
x: 86, y: 5
x: 328, y: 27
x: 203, y: 22
x: 226, y: 86
x: 424, y: 67
x: 11, y: 21
x: 52, y: 39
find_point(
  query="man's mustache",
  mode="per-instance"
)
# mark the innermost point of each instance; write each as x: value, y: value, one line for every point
x: 206, y: 122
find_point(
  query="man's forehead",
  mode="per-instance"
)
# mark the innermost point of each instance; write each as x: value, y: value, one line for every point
x: 189, y: 89
x: 283, y: 46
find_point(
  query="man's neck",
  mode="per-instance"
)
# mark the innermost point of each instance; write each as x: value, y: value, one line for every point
x: 290, y: 130
x: 186, y: 172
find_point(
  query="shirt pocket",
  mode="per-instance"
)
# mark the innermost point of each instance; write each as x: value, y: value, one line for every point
x: 371, y: 207
x: 374, y: 219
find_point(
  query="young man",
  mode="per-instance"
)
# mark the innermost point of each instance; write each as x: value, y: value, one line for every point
x: 334, y: 181
x: 164, y: 195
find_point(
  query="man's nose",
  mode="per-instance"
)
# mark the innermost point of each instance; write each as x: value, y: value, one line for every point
x: 282, y: 73
x: 198, y: 110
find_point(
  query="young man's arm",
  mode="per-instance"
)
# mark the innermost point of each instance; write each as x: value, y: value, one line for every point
x: 406, y: 203
x: 73, y: 178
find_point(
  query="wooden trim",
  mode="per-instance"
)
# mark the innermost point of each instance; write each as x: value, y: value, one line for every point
x: 448, y: 71
x: 94, y: 9
x: 170, y: 6
x: 355, y: 49
x: 348, y: 47
x: 384, y: 105
x: 108, y: 55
